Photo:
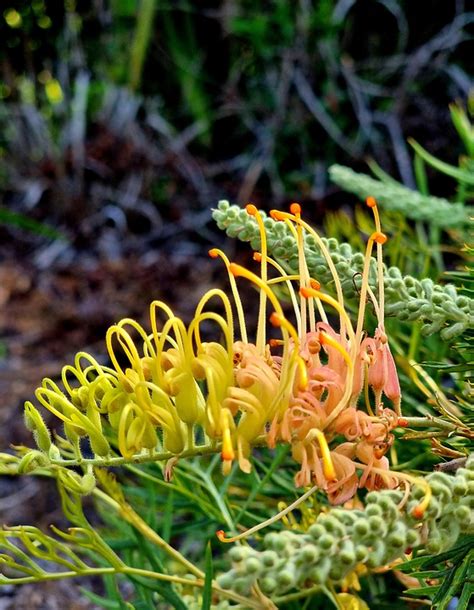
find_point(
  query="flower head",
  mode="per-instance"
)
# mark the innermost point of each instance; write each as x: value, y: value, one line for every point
x: 167, y: 388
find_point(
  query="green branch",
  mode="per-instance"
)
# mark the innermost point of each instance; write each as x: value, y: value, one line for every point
x: 398, y: 198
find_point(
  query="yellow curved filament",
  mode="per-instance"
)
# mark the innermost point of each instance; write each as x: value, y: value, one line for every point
x: 228, y: 324
x: 221, y: 535
x: 328, y: 466
x: 325, y: 252
x: 261, y: 324
x: 213, y: 253
x: 326, y: 339
x: 312, y: 292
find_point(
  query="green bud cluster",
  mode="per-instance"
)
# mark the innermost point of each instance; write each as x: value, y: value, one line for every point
x: 398, y: 198
x: 342, y: 539
x: 407, y: 298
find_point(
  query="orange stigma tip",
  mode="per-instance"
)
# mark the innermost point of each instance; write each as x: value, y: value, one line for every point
x: 275, y: 342
x: 257, y: 256
x: 418, y: 512
x: 315, y: 285
x: 305, y: 292
x: 213, y: 253
x: 402, y: 422
x: 221, y: 535
x: 295, y: 208
x: 380, y: 238
x: 275, y: 319
x: 234, y: 269
x: 370, y: 201
x: 251, y: 209
x: 277, y: 215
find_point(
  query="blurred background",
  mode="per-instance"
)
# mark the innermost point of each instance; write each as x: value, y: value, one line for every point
x: 123, y: 122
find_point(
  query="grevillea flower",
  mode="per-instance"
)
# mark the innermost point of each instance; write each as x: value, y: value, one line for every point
x: 323, y: 378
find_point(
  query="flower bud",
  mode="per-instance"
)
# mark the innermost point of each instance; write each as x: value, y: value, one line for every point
x: 35, y: 423
x: 268, y: 584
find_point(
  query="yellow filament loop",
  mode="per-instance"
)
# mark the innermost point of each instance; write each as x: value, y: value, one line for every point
x: 214, y: 253
x: 227, y: 324
x: 328, y: 466
x: 210, y: 315
x: 173, y: 322
x: 280, y: 321
x: 252, y: 211
x: 128, y: 347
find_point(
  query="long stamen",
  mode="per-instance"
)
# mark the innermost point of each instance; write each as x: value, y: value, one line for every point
x: 214, y: 253
x: 305, y: 279
x: 378, y: 238
x: 373, y: 205
x: 313, y: 292
x: 239, y: 271
x: 260, y: 342
x: 278, y: 215
x: 128, y: 347
x: 287, y: 279
x: 221, y: 535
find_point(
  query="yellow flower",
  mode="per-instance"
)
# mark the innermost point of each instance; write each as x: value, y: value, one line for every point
x: 167, y: 389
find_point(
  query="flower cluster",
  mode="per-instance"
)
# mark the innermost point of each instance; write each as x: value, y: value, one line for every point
x: 167, y: 389
x: 343, y: 541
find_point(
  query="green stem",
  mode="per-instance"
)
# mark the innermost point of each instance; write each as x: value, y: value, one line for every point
x: 248, y: 603
x: 430, y: 422
x: 127, y: 512
x: 146, y: 458
x: 299, y: 595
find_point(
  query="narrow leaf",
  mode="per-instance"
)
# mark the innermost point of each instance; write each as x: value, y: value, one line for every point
x: 207, y: 591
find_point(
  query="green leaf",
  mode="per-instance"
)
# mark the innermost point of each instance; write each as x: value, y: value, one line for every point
x: 445, y: 168
x: 166, y: 590
x: 101, y: 601
x: 21, y: 221
x: 466, y: 596
x: 207, y: 591
x: 422, y: 591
